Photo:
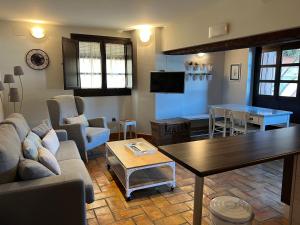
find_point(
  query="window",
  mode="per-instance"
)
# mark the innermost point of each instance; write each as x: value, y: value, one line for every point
x: 90, y: 65
x: 279, y: 72
x: 104, y: 65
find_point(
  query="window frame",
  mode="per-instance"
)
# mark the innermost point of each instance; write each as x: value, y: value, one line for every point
x: 104, y: 91
x: 278, y: 67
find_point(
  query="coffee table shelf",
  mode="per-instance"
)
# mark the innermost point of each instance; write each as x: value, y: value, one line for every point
x: 145, y: 171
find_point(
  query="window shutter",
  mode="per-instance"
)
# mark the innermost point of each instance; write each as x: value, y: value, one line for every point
x: 70, y: 63
x: 129, y: 65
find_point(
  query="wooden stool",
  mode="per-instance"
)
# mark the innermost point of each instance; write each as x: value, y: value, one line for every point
x: 127, y: 124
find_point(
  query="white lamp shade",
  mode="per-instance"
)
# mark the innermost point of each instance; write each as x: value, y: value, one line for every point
x: 14, y: 95
x: 8, y: 79
x: 18, y: 71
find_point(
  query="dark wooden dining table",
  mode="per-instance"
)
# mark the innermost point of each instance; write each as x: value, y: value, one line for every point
x: 213, y: 156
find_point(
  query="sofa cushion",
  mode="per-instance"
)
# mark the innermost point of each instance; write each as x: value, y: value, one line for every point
x: 19, y: 123
x: 48, y: 160
x: 67, y: 150
x: 77, y: 166
x: 41, y: 130
x: 51, y: 142
x: 10, y: 153
x: 97, y: 134
x: 30, y: 169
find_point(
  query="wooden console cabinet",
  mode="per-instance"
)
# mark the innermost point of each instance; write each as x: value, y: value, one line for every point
x: 170, y: 131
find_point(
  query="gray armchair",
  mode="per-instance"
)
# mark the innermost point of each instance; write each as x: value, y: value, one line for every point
x: 86, y: 138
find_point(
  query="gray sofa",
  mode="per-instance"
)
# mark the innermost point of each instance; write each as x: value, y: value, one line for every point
x: 51, y: 200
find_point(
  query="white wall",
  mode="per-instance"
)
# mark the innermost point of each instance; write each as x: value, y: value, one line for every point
x: 245, y: 18
x: 234, y: 91
x: 143, y: 100
x: 16, y: 41
x: 198, y: 93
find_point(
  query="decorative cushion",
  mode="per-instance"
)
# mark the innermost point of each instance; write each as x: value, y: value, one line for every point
x: 35, y: 138
x: 30, y: 146
x: 48, y: 160
x: 30, y: 169
x: 10, y: 153
x: 51, y: 142
x: 77, y: 119
x: 41, y: 130
x: 30, y: 150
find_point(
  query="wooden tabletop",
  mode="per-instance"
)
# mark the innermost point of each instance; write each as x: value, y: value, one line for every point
x: 129, y: 160
x: 218, y: 155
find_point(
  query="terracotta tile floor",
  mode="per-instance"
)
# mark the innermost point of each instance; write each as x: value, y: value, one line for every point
x: 259, y: 185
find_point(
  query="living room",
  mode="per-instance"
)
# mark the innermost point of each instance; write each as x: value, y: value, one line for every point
x: 214, y: 48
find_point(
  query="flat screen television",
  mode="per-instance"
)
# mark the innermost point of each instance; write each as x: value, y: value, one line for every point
x: 167, y: 82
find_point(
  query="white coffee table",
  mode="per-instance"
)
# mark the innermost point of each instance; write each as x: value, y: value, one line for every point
x: 139, y: 172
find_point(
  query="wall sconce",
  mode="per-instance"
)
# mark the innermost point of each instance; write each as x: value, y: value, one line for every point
x: 38, y: 32
x: 145, y: 34
x: 201, y: 54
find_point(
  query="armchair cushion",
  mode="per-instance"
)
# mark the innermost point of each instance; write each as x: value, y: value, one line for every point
x: 97, y: 134
x: 77, y: 119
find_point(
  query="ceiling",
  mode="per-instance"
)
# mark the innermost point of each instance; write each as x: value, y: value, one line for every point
x: 119, y: 14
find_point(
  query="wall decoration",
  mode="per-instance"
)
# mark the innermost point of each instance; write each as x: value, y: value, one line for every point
x: 235, y: 72
x: 37, y: 59
x: 196, y: 70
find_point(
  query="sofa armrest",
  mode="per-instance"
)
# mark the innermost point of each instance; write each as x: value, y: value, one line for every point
x: 62, y: 135
x: 98, y: 122
x: 50, y: 200
x: 77, y: 133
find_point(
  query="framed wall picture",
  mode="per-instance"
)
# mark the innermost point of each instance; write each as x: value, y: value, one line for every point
x: 235, y: 72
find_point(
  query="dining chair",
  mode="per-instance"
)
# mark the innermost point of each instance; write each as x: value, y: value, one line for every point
x: 220, y: 120
x: 239, y: 123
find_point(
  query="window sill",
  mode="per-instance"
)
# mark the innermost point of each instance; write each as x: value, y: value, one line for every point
x: 102, y: 92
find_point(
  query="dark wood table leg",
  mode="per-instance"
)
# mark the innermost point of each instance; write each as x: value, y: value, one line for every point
x: 198, y: 199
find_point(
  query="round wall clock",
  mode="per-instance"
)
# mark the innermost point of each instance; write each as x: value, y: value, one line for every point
x: 37, y: 59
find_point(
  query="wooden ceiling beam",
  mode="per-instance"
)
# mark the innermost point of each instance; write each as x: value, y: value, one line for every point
x: 270, y: 38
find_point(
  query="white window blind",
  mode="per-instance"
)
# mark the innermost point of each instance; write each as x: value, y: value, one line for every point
x: 90, y: 65
x: 115, y: 65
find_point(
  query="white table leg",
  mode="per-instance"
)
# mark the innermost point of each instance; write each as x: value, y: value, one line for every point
x: 288, y: 121
x: 262, y: 126
x: 198, y: 198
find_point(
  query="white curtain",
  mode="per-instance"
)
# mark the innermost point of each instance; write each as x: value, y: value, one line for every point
x: 90, y: 64
x: 115, y: 65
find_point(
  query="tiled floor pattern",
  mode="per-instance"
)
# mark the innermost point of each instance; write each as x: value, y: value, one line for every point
x: 259, y: 185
